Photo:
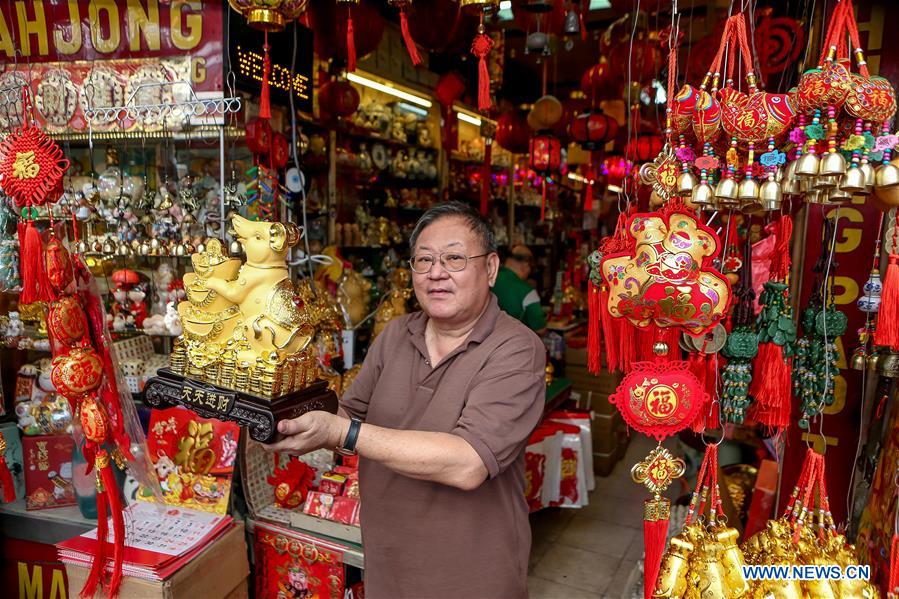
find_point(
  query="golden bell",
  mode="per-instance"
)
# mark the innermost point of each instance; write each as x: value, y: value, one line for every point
x: 726, y: 192
x: 748, y: 190
x: 807, y: 165
x: 234, y: 248
x: 832, y: 165
x: 814, y: 196
x: 887, y: 365
x: 771, y: 195
x: 858, y: 361
x: 108, y: 247
x: 868, y: 170
x: 144, y: 249
x: 886, y: 175
x: 791, y: 187
x: 655, y: 200
x: 853, y: 181
x: 672, y: 578
x: 685, y: 184
x: 702, y: 195
x: 838, y: 195
x: 825, y: 183
x: 871, y: 361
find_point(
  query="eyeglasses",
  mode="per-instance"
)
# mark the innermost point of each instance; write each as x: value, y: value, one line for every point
x: 450, y: 261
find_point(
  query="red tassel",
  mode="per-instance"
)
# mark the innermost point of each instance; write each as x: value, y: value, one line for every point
x: 350, y: 43
x: 118, y: 527
x: 543, y: 203
x: 594, y: 332
x: 481, y: 47
x: 98, y: 565
x: 265, y: 107
x: 31, y: 249
x: 771, y: 387
x: 655, y: 533
x: 588, y: 195
x: 580, y: 18
x: 893, y: 587
x: 627, y: 342
x: 407, y: 37
x: 607, y: 322
x: 887, y: 332
x: 485, y: 176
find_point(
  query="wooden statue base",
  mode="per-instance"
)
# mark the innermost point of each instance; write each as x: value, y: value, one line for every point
x: 259, y: 414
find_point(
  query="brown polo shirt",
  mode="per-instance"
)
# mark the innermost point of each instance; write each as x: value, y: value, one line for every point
x: 425, y: 539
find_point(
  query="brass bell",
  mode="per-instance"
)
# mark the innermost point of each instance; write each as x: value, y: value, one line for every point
x: 144, y: 249
x: 81, y: 247
x: 859, y: 359
x: 234, y: 248
x: 655, y: 201
x: 886, y: 175
x: 853, y: 181
x: 791, y: 186
x: 179, y: 250
x: 887, y: 365
x: 838, y: 195
x: 685, y: 184
x: 871, y: 361
x: 771, y: 195
x: 832, y: 165
x: 108, y: 247
x: 813, y: 196
x: 123, y: 250
x: 825, y: 183
x: 868, y: 170
x: 702, y: 195
x: 201, y: 248
x: 807, y: 165
x: 726, y: 192
x: 748, y: 190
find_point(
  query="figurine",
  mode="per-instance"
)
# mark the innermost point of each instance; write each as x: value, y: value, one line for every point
x: 394, y: 304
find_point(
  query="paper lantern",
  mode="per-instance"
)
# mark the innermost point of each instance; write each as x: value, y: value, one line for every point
x: 598, y: 83
x: 338, y: 98
x: 593, y: 129
x: 546, y: 112
x: 644, y: 148
x: 512, y: 132
x: 269, y: 15
x: 668, y: 280
x: 329, y: 22
x: 259, y: 136
x: 545, y: 154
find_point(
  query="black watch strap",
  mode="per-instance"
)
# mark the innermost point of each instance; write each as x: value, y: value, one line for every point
x: 352, y: 435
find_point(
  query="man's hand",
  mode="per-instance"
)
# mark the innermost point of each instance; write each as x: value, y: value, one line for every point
x: 311, y: 431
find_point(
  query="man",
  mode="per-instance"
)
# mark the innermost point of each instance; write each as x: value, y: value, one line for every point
x: 447, y: 398
x: 517, y: 297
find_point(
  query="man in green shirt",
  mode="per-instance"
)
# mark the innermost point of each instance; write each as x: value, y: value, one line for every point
x: 515, y: 296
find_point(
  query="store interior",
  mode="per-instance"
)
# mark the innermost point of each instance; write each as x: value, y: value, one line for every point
x: 694, y: 203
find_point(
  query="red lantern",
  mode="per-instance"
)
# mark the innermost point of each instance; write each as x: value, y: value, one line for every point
x: 593, y: 129
x: 328, y: 20
x: 338, y: 99
x: 550, y: 23
x: 545, y: 153
x: 259, y: 136
x: 645, y: 60
x: 280, y: 151
x: 598, y: 83
x: 423, y: 14
x: 512, y: 132
x: 644, y: 148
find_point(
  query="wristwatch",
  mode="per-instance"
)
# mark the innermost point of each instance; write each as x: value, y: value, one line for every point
x: 349, y: 443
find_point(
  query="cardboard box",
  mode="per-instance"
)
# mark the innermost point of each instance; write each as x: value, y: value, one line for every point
x: 48, y: 471
x: 219, y: 572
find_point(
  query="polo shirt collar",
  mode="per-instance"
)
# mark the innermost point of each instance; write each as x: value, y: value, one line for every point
x: 482, y: 328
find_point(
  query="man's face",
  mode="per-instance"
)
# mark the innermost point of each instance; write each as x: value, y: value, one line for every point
x: 453, y: 297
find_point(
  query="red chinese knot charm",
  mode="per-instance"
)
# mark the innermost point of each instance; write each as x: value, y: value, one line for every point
x: 31, y: 166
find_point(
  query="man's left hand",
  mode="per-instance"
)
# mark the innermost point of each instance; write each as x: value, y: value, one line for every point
x: 311, y: 431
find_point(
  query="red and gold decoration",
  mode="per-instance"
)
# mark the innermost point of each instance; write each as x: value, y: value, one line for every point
x: 6, y: 481
x: 544, y: 149
x: 291, y: 482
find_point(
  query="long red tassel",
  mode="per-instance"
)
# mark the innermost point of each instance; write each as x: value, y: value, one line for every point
x: 118, y: 527
x: 770, y: 387
x: 543, y: 202
x: 655, y: 533
x: 588, y: 195
x: 350, y: 43
x: 594, y: 331
x: 98, y: 565
x: 265, y: 107
x: 32, y: 254
x: 407, y: 37
x: 481, y: 47
x: 485, y: 176
x: 893, y: 588
x: 887, y: 332
x: 607, y: 322
x: 628, y: 342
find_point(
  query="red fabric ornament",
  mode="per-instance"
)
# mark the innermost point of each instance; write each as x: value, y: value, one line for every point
x: 481, y: 47
x: 667, y: 279
x: 280, y: 153
x: 77, y: 373
x: 545, y: 153
x: 644, y: 148
x: 593, y: 129
x: 338, y: 98
x: 265, y: 105
x: 402, y: 7
x: 31, y: 165
x: 512, y: 132
x: 58, y: 265
x: 454, y: 26
x: 66, y: 322
x: 291, y: 483
x: 331, y: 24
x: 350, y: 41
x: 659, y: 399
x: 449, y: 88
x: 6, y: 482
x: 259, y: 136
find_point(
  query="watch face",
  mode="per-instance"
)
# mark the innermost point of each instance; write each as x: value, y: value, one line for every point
x: 101, y: 88
x: 56, y: 99
x: 11, y: 115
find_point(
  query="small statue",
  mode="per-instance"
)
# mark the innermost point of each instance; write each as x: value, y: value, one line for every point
x: 394, y: 304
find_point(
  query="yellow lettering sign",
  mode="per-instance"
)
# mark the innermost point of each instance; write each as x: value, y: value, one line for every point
x: 31, y: 587
x: 72, y: 45
x: 5, y: 38
x: 57, y: 585
x: 186, y: 25
x: 198, y: 69
x: 29, y: 27
x: 845, y: 290
x: 820, y: 442
x: 143, y: 24
x: 851, y: 236
x: 110, y: 44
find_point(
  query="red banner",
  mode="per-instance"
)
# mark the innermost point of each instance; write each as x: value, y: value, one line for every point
x: 97, y: 30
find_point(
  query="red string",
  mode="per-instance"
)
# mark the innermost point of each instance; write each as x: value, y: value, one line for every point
x: 853, y: 34
x: 265, y: 109
x: 350, y: 42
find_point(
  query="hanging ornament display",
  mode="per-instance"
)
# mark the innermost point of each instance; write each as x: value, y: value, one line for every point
x: 481, y: 47
x: 345, y: 30
x: 402, y: 7
x: 741, y: 347
x: 266, y: 15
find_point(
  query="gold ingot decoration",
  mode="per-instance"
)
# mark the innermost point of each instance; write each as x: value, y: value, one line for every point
x: 732, y: 561
x: 247, y: 326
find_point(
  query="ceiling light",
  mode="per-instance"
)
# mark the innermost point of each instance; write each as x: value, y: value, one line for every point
x: 389, y: 89
x: 413, y: 109
x: 467, y: 118
x: 505, y: 5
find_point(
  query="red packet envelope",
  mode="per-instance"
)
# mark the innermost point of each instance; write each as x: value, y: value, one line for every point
x: 345, y: 510
x: 318, y: 504
x: 332, y: 483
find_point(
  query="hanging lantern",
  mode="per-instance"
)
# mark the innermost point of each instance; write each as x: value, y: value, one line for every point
x: 598, y: 83
x: 546, y: 112
x: 644, y: 148
x: 269, y: 15
x: 345, y: 30
x: 593, y: 129
x: 453, y: 25
x: 338, y: 98
x: 545, y: 153
x: 512, y: 132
